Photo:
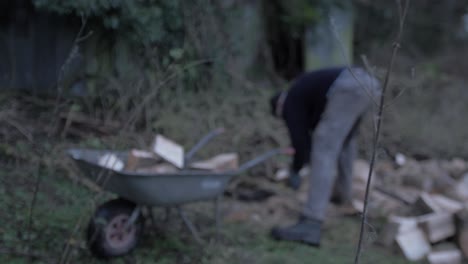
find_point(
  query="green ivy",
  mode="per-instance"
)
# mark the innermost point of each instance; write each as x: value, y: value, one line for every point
x: 143, y: 22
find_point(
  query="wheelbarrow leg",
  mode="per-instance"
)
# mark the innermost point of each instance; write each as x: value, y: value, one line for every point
x: 134, y: 216
x: 217, y: 216
x: 189, y: 225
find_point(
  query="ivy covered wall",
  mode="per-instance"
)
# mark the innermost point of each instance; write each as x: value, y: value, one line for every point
x: 206, y: 43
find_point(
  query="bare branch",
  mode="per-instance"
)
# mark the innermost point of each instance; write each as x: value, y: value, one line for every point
x: 71, y: 55
x: 401, y: 92
x: 396, y: 46
x: 33, y: 200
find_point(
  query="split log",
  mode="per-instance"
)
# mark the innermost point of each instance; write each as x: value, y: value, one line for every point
x: 445, y: 254
x: 461, y: 219
x: 437, y: 226
x: 396, y: 225
x: 445, y: 257
x: 435, y: 203
x: 140, y: 159
x: 413, y: 244
x: 358, y: 205
x: 169, y: 151
x: 221, y: 162
x: 460, y: 191
x: 425, y: 204
x: 446, y: 204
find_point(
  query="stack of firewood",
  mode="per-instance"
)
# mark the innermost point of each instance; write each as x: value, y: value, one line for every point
x: 425, y: 204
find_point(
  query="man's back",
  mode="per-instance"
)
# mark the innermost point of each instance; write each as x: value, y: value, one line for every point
x: 313, y: 85
x: 307, y: 95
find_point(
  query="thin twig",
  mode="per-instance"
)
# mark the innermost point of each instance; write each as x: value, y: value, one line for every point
x: 33, y: 201
x: 396, y: 46
x: 71, y: 55
x: 400, y: 93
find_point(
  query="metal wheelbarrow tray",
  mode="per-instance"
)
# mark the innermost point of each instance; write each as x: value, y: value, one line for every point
x: 169, y: 189
x: 116, y: 225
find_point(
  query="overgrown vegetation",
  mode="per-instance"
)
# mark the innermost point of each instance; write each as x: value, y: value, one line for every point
x: 143, y: 23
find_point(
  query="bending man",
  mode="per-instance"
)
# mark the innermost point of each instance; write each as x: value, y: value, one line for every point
x: 322, y: 110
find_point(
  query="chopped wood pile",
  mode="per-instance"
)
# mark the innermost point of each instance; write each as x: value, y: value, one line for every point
x: 424, y: 203
x: 166, y: 156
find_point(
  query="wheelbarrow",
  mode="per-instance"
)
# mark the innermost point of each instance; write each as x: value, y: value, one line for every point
x: 116, y: 226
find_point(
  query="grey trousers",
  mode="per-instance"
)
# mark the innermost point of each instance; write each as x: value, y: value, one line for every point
x: 334, y: 143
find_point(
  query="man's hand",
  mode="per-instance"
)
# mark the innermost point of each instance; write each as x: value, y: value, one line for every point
x: 294, y: 180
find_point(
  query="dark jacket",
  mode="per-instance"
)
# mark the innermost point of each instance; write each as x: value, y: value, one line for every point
x: 303, y: 107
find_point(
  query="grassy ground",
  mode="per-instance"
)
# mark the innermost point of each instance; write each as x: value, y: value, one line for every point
x: 63, y: 207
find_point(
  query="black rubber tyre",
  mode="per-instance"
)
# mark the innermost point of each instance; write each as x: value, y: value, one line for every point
x: 107, y: 235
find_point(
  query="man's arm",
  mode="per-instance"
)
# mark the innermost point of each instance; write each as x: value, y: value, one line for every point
x: 300, y: 139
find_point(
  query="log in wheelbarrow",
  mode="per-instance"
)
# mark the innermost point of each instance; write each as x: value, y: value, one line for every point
x: 115, y: 228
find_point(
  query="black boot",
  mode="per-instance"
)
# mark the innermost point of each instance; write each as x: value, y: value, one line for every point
x: 306, y: 230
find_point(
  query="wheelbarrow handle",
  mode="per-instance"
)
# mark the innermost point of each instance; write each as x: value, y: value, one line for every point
x: 252, y: 163
x: 202, y: 142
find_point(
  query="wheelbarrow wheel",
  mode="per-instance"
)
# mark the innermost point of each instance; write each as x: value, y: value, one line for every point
x: 109, y: 233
